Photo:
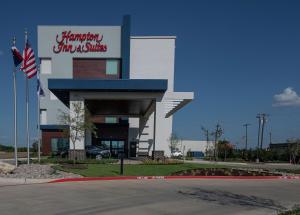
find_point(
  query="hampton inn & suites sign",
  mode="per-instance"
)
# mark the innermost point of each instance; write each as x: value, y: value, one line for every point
x: 71, y: 42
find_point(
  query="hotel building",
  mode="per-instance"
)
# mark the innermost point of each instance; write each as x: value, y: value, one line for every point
x: 126, y: 82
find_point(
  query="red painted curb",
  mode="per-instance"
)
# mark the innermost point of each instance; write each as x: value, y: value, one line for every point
x: 167, y: 177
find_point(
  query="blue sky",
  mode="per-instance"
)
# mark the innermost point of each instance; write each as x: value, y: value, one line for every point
x: 235, y: 55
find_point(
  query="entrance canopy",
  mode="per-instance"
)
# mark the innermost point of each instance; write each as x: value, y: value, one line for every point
x: 123, y: 97
x: 62, y: 87
x: 128, y: 107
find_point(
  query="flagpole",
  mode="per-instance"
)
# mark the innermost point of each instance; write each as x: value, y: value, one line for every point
x: 15, y: 110
x: 27, y: 121
x: 39, y: 122
x: 27, y: 111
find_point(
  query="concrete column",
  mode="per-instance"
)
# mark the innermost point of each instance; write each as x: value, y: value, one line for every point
x: 163, y: 129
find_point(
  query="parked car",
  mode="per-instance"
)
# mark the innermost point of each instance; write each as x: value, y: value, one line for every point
x: 97, y: 152
x: 177, y: 154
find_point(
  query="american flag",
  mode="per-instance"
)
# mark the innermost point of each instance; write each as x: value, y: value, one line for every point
x: 29, y: 65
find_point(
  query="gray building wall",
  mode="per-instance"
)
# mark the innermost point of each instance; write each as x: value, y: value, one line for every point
x: 62, y: 64
x: 153, y: 57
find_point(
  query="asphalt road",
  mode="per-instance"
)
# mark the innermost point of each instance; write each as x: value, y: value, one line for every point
x: 152, y: 197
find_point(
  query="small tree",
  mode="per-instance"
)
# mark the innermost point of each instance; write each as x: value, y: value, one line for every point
x: 79, y: 122
x: 294, y: 149
x: 225, y: 148
x: 35, y: 146
x: 174, y: 142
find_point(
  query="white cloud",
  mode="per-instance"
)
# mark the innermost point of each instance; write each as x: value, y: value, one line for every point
x: 287, y: 98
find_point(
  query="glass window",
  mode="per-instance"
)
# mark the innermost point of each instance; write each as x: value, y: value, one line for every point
x: 110, y: 119
x: 46, y: 66
x: 59, y: 144
x: 43, y: 116
x: 112, y: 67
x: 54, y: 144
x: 105, y: 144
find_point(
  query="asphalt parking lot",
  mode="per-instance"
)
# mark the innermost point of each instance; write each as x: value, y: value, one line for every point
x: 202, y: 196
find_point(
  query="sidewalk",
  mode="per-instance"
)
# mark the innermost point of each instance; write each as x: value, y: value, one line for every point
x: 21, y: 181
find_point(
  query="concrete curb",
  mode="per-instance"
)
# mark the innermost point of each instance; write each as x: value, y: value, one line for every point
x: 169, y: 178
x: 21, y: 181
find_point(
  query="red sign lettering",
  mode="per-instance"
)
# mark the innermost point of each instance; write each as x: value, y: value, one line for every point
x: 86, y: 42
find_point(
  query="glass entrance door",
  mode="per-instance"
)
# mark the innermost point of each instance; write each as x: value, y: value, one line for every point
x: 115, y: 146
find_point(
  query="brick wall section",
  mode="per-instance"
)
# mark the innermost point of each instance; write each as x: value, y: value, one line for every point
x: 92, y: 69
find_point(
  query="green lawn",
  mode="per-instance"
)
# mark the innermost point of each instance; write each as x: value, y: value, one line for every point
x: 96, y: 170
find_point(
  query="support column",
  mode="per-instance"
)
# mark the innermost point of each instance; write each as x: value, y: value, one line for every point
x: 77, y: 137
x: 162, y: 130
x: 154, y: 132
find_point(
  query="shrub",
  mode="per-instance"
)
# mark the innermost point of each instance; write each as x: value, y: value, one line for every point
x: 188, y: 158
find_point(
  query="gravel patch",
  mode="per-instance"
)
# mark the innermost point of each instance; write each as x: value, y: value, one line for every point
x: 37, y: 171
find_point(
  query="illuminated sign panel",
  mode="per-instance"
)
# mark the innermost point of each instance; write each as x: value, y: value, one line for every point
x: 68, y: 41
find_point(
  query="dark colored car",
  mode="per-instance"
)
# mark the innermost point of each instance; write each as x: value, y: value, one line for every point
x: 97, y: 152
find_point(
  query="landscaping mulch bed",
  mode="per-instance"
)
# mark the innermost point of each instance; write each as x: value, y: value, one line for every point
x: 224, y: 172
x: 38, y: 171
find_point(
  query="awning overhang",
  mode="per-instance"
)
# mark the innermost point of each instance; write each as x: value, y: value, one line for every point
x: 61, y: 88
x: 174, y: 101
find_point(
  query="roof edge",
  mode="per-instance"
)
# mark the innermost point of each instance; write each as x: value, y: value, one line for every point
x: 153, y: 37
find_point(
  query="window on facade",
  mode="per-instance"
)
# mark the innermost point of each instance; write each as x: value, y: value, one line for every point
x: 112, y: 67
x: 105, y: 144
x: 110, y: 119
x: 43, y: 116
x: 117, y: 146
x: 59, y: 144
x: 46, y: 66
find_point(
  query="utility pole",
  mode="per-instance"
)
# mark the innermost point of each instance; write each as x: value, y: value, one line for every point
x: 246, y: 126
x: 258, y: 137
x: 218, y: 133
x: 206, y: 133
x: 264, y: 120
x: 270, y: 134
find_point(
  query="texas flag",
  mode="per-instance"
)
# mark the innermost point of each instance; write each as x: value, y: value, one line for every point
x: 16, y: 56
